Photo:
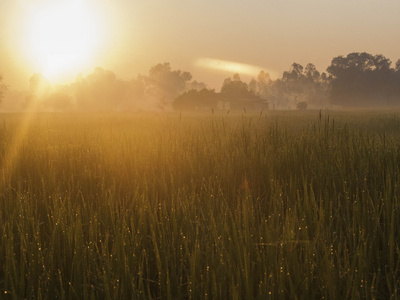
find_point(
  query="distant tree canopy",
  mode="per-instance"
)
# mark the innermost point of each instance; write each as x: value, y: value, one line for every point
x: 261, y: 86
x: 235, y: 88
x: 3, y: 88
x: 362, y: 79
x: 161, y: 86
x: 300, y: 84
x: 100, y: 90
x: 235, y: 94
x: 42, y: 96
x: 355, y: 80
x: 165, y: 83
x: 195, y: 100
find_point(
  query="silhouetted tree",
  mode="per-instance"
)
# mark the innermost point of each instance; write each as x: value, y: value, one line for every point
x: 235, y: 88
x: 300, y: 85
x: 163, y: 84
x: 261, y: 87
x: 362, y: 79
x: 3, y: 88
x: 197, y: 100
x: 195, y: 85
x: 294, y: 80
x: 311, y: 73
x: 253, y: 86
x: 237, y: 94
x: 295, y: 73
x: 302, y: 105
x: 137, y: 87
x: 100, y: 90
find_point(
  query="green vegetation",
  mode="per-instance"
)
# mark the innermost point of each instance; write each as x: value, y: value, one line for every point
x: 285, y: 205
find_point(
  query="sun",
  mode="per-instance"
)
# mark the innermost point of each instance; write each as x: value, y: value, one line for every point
x: 62, y: 37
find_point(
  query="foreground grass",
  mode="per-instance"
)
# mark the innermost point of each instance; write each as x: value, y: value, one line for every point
x: 273, y: 206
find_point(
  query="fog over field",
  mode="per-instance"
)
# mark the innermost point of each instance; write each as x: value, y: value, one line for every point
x: 357, y: 80
x: 273, y: 205
x: 137, y: 56
x: 199, y: 149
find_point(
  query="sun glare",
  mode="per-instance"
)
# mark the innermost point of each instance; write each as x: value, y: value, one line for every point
x: 231, y: 66
x: 62, y: 37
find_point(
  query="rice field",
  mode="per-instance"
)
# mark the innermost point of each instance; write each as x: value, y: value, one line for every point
x: 276, y: 205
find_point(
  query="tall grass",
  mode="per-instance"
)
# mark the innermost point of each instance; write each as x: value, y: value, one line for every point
x: 283, y: 205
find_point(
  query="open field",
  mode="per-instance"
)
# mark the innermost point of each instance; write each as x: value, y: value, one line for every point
x: 278, y: 205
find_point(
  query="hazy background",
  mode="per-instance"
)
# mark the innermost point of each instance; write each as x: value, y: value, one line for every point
x: 269, y: 35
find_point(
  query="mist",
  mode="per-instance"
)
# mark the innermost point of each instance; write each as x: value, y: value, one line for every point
x: 357, y: 80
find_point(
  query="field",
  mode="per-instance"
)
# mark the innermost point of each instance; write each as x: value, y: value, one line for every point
x: 277, y: 205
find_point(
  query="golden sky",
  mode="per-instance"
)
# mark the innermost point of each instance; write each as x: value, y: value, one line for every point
x: 212, y: 39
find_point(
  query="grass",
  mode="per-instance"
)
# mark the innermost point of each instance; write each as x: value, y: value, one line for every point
x: 301, y: 205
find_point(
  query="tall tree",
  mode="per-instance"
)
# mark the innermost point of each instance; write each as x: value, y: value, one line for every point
x: 261, y: 86
x: 100, y: 90
x: 235, y: 88
x: 362, y: 79
x: 311, y: 73
x: 300, y: 84
x: 3, y: 88
x: 295, y: 73
x: 164, y: 84
x: 196, y: 100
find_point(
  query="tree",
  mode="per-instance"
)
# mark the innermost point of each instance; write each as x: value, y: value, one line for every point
x: 290, y: 89
x: 253, y: 86
x: 196, y: 100
x: 235, y: 88
x: 164, y: 85
x: 237, y: 94
x: 397, y: 68
x: 299, y: 85
x: 261, y: 86
x: 311, y: 73
x: 100, y: 90
x: 302, y: 105
x: 195, y: 85
x: 3, y: 88
x: 362, y: 79
x: 381, y: 62
x: 295, y: 73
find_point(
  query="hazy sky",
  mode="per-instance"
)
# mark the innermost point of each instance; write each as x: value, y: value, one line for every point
x: 192, y: 35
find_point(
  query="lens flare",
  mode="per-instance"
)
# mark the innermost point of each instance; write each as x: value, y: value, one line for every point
x: 230, y: 66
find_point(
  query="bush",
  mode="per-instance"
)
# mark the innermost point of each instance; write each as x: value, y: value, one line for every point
x: 302, y: 105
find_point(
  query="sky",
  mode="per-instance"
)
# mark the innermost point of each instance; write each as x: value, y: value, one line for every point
x: 212, y: 39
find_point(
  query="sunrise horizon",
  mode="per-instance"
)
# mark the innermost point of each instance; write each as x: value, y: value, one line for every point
x: 199, y: 149
x: 61, y: 39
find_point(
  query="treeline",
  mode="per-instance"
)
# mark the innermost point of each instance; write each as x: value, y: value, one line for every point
x: 361, y: 79
x: 235, y: 94
x: 102, y: 90
x: 3, y: 87
x: 357, y: 80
